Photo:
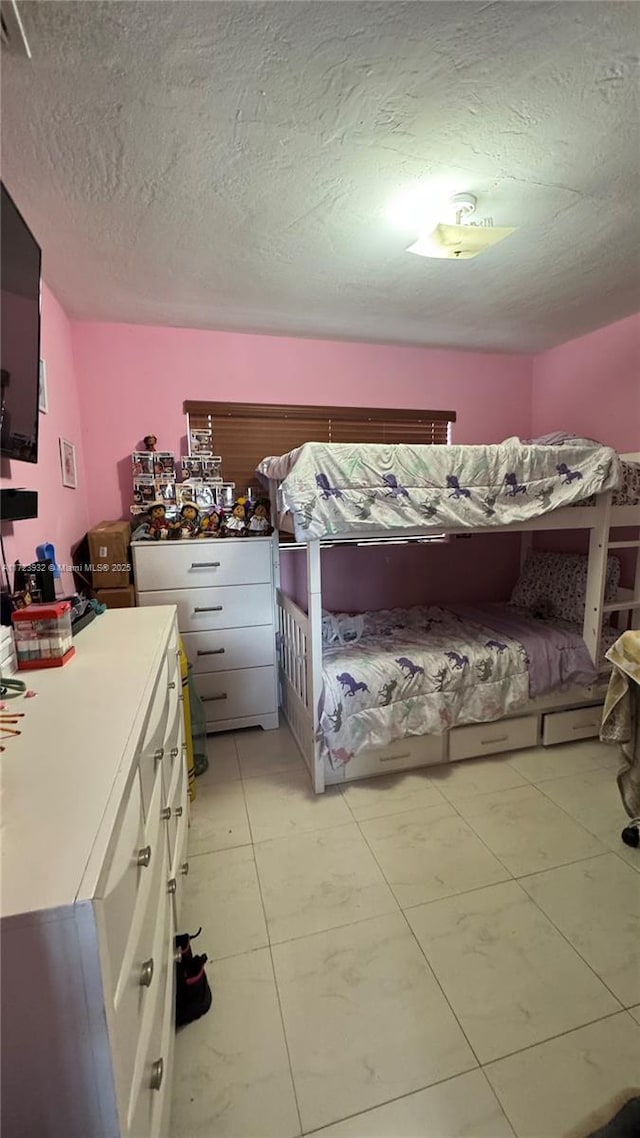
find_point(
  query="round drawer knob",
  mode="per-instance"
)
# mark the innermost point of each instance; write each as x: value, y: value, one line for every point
x: 172, y: 885
x: 144, y: 856
x: 146, y: 973
x: 159, y: 754
x: 177, y: 956
x: 165, y: 814
x: 184, y: 868
x: 157, y: 1071
x: 174, y: 752
x: 171, y: 685
x: 178, y: 812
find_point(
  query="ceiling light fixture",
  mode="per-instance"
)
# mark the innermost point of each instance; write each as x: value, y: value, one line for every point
x: 459, y: 240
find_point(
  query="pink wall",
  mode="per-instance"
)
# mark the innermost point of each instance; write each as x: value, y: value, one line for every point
x: 133, y: 380
x: 62, y: 513
x: 592, y: 386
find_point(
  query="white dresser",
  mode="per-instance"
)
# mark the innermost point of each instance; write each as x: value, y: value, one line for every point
x: 223, y: 590
x: 94, y: 831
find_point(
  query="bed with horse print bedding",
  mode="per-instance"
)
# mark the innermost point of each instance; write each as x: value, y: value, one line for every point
x: 422, y: 670
x: 363, y: 488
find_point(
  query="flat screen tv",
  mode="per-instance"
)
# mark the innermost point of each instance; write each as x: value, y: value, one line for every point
x: 19, y: 334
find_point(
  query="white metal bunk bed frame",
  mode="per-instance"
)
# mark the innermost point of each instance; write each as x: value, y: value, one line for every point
x: 300, y: 633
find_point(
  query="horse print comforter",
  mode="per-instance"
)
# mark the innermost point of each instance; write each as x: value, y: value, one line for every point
x: 422, y: 670
x: 363, y: 488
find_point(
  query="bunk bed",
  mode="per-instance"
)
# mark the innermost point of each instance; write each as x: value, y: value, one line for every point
x: 413, y: 662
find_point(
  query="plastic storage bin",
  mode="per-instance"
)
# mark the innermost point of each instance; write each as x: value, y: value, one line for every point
x: 43, y: 635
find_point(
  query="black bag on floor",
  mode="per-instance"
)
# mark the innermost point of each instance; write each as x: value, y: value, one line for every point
x: 193, y: 994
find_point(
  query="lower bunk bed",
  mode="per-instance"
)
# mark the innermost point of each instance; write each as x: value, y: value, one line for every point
x: 431, y: 685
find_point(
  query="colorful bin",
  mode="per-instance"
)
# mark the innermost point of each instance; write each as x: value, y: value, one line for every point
x: 43, y: 635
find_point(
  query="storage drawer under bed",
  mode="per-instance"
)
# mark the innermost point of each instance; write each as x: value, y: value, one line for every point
x: 565, y: 726
x: 491, y: 738
x: 403, y: 754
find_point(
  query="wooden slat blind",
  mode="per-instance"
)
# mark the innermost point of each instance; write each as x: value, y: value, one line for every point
x: 245, y: 433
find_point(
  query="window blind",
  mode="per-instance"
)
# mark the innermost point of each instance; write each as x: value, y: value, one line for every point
x: 245, y: 433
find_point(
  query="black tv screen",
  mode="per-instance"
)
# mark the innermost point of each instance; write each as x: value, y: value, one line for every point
x: 19, y: 334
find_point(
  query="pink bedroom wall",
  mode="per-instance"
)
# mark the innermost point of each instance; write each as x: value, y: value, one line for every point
x: 133, y: 380
x: 62, y: 512
x: 592, y: 386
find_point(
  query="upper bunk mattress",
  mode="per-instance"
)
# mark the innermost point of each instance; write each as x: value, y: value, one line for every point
x: 363, y: 488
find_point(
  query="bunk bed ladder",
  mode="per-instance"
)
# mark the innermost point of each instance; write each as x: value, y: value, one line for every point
x: 595, y: 608
x: 314, y: 655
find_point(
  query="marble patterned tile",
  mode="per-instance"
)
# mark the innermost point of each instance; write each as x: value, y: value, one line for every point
x: 267, y: 752
x: 391, y: 794
x: 527, y: 831
x: 223, y: 895
x: 471, y: 777
x: 320, y: 880
x: 218, y: 818
x: 596, y: 905
x: 570, y: 1086
x: 510, y: 977
x: 539, y: 763
x: 463, y: 1107
x: 232, y: 1076
x: 365, y: 1020
x: 593, y: 799
x: 427, y: 854
x: 284, y: 804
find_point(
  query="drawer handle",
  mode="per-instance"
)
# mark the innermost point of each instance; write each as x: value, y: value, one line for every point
x: 211, y: 698
x: 209, y: 608
x: 171, y: 685
x: 172, y: 885
x: 205, y: 564
x: 581, y: 726
x: 210, y: 652
x: 393, y: 758
x: 144, y: 856
x: 498, y: 739
x: 159, y: 754
x: 157, y: 1071
x: 177, y: 956
x: 178, y: 812
x: 165, y: 814
x: 174, y: 752
x: 184, y: 868
x: 146, y: 973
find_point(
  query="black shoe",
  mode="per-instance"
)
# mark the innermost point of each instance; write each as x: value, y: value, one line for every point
x: 193, y: 994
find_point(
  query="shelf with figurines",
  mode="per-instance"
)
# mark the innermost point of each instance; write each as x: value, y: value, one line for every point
x: 246, y: 519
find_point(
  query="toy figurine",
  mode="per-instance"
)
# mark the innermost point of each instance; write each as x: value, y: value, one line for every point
x: 158, y: 526
x: 175, y: 529
x: 150, y: 442
x: 237, y: 523
x: 189, y: 520
x: 210, y: 525
x: 259, y: 524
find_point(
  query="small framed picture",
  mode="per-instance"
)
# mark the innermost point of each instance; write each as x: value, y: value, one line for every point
x: 68, y: 464
x: 43, y: 401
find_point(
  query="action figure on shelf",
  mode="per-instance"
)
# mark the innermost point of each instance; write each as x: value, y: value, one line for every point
x: 150, y: 442
x: 175, y: 529
x: 158, y: 525
x: 259, y: 524
x: 236, y: 524
x: 189, y: 518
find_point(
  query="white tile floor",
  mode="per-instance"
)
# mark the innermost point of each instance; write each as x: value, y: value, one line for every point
x: 451, y: 952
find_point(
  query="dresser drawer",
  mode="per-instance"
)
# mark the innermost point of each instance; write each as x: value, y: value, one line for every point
x: 232, y: 607
x: 176, y: 809
x: 230, y: 648
x: 119, y: 894
x: 203, y: 563
x: 491, y: 738
x: 232, y: 695
x: 139, y: 981
x: 162, y: 749
x: 565, y: 726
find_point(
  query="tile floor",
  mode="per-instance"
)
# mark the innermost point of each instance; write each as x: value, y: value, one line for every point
x: 451, y: 952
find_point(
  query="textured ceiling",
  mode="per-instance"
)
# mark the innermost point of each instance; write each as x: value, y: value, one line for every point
x: 229, y: 165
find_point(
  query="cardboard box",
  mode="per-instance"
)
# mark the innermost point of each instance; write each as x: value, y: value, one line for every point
x: 109, y: 555
x: 117, y: 598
